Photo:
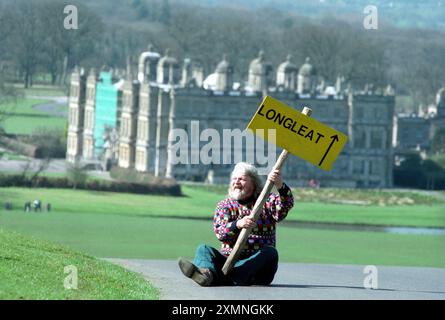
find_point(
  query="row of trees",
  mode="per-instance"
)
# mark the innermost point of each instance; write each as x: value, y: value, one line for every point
x: 33, y: 41
x: 415, y: 172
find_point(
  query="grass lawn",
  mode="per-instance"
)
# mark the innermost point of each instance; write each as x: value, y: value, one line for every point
x: 42, y: 90
x: 117, y: 225
x: 24, y: 119
x: 363, y: 197
x: 45, y: 91
x: 9, y: 155
x: 35, y: 270
x: 124, y: 236
x: 201, y: 203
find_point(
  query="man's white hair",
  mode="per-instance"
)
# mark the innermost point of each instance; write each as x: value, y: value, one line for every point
x: 251, y: 171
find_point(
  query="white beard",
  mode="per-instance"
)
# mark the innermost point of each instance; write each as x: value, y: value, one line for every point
x: 237, y: 194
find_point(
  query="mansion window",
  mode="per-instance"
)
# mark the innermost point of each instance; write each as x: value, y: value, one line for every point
x: 142, y: 130
x: 124, y: 127
x: 88, y: 143
x: 127, y: 100
x: 358, y: 167
x: 74, y: 91
x: 375, y: 167
x: 143, y: 104
x: 341, y: 166
x: 360, y: 139
x: 90, y: 94
x: 370, y: 113
x: 359, y: 112
x: 340, y: 113
x: 379, y: 113
x: 140, y: 158
x: 376, y: 140
x: 124, y: 153
x: 72, y: 143
x: 73, y: 116
x: 88, y: 120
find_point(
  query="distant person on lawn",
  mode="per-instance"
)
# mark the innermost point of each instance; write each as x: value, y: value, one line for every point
x: 27, y: 207
x: 258, y: 261
x: 37, y: 205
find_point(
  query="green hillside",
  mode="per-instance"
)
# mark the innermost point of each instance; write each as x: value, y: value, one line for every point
x: 35, y: 269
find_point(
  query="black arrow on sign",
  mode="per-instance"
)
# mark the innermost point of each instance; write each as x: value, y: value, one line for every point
x: 334, y: 138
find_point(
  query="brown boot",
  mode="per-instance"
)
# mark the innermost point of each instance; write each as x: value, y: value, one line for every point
x: 202, y: 276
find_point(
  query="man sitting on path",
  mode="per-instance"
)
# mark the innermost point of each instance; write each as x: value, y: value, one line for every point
x: 258, y: 261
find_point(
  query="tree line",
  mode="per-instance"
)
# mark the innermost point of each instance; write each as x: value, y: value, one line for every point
x: 33, y: 41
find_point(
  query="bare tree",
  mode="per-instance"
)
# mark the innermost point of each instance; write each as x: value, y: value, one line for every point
x: 77, y: 175
x: 34, y: 169
x: 42, y: 166
x: 420, y: 72
x: 8, y: 100
x: 5, y: 29
x: 26, y: 39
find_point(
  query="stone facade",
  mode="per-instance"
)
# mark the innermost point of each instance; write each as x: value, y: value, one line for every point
x: 90, y: 106
x: 415, y: 132
x: 438, y: 122
x: 76, y: 109
x: 156, y: 105
x: 128, y: 124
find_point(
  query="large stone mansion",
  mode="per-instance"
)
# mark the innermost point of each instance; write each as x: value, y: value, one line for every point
x: 128, y: 121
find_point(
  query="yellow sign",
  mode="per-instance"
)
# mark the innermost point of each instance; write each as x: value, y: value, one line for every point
x: 298, y: 133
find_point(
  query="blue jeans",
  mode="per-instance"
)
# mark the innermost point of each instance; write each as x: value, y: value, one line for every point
x: 257, y: 269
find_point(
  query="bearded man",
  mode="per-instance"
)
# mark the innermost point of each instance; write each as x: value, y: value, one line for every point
x: 258, y: 261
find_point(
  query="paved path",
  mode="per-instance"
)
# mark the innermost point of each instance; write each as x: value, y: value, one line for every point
x: 55, y: 166
x: 53, y: 108
x: 58, y: 106
x: 299, y: 281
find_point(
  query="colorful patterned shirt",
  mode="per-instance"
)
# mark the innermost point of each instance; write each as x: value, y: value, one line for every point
x: 228, y: 211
